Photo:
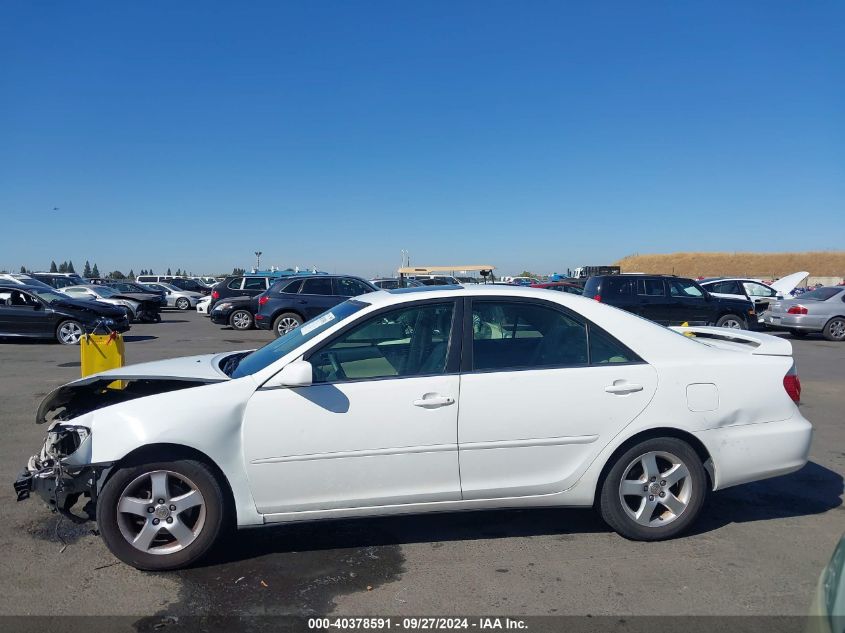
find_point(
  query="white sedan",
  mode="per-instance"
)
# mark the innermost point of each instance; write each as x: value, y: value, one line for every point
x: 423, y: 400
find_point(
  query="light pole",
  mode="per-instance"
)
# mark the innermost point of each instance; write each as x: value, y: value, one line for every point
x: 257, y: 261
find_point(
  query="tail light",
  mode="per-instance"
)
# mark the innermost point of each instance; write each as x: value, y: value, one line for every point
x: 215, y: 294
x: 597, y: 298
x: 792, y: 384
x: 262, y: 300
x: 797, y: 310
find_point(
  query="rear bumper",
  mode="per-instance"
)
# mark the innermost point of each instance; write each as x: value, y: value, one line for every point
x: 802, y: 322
x: 750, y: 452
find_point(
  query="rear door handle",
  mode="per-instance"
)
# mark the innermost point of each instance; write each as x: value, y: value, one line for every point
x: 432, y: 401
x: 623, y: 388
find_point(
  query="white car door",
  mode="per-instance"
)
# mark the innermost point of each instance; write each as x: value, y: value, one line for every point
x: 377, y: 427
x: 542, y: 392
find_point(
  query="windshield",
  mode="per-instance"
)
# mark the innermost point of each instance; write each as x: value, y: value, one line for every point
x: 270, y: 353
x: 48, y: 296
x: 104, y: 291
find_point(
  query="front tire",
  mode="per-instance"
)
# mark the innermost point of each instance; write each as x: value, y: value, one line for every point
x: 183, y: 304
x: 241, y: 320
x: 654, y: 491
x: 286, y: 322
x: 732, y: 321
x: 69, y: 332
x: 161, y: 516
x: 834, y: 330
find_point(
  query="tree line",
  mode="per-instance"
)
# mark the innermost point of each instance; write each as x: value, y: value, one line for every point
x: 90, y: 271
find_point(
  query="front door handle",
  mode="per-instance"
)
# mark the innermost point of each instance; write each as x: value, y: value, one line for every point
x: 432, y: 401
x: 623, y: 387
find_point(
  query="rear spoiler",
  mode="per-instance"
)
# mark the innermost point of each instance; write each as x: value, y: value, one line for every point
x: 740, y: 340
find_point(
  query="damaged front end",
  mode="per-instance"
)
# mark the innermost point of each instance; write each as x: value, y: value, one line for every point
x: 61, y: 473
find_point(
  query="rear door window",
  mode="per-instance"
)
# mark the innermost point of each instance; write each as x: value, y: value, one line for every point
x: 650, y: 287
x: 255, y: 283
x: 682, y: 288
x: 317, y: 286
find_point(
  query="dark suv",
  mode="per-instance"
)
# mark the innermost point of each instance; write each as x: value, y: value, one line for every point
x: 240, y: 286
x: 292, y: 301
x: 670, y: 300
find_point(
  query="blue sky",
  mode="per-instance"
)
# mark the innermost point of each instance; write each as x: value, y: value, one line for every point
x: 539, y: 135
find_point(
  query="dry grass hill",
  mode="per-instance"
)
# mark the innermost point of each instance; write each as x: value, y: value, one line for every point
x: 765, y: 265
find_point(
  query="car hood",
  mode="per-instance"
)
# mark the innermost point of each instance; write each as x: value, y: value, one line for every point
x: 787, y: 284
x: 92, y: 307
x: 145, y: 379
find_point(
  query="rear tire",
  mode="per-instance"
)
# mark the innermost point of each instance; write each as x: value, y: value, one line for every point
x: 732, y: 321
x: 630, y: 495
x: 834, y: 330
x: 286, y: 322
x: 241, y: 320
x: 183, y: 304
x: 168, y: 537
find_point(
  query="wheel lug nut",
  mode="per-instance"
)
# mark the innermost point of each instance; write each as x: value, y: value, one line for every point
x: 170, y: 519
x: 172, y: 507
x: 654, y: 479
x: 645, y: 489
x: 662, y: 494
x: 151, y: 509
x: 651, y: 497
x: 662, y: 482
x: 156, y: 521
x: 162, y: 500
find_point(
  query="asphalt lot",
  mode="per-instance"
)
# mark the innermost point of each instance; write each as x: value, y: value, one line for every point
x: 758, y: 549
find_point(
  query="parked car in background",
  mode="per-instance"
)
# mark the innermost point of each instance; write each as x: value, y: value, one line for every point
x: 21, y: 279
x: 203, y: 305
x: 139, y: 291
x: 392, y: 283
x: 763, y: 295
x: 294, y: 300
x: 191, y: 285
x: 143, y: 279
x: 401, y: 402
x: 820, y: 310
x: 242, y: 286
x: 59, y: 280
x: 670, y: 300
x: 43, y: 312
x: 437, y: 280
x: 176, y: 297
x: 236, y: 312
x: 523, y: 281
x: 146, y: 310
x: 561, y: 286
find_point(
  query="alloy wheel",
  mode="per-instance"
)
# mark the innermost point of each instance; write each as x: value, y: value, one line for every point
x: 161, y: 512
x: 288, y: 324
x: 70, y: 333
x: 241, y: 320
x: 732, y: 324
x: 837, y: 329
x: 655, y: 489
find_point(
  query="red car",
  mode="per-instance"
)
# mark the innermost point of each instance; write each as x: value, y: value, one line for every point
x: 560, y: 286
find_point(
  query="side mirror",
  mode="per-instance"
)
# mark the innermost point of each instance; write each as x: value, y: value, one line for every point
x: 299, y: 373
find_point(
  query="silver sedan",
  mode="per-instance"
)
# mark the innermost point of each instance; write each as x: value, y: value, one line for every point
x: 822, y: 310
x: 176, y: 297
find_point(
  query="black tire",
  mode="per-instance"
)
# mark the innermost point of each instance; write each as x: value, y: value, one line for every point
x: 611, y: 501
x: 183, y: 304
x: 727, y: 321
x: 110, y: 522
x: 241, y: 320
x: 286, y: 318
x: 797, y: 333
x: 69, y: 331
x: 834, y: 330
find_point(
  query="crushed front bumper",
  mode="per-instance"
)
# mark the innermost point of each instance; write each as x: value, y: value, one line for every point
x: 61, y: 489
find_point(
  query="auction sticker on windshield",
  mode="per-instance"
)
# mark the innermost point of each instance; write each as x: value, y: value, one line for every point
x: 326, y: 318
